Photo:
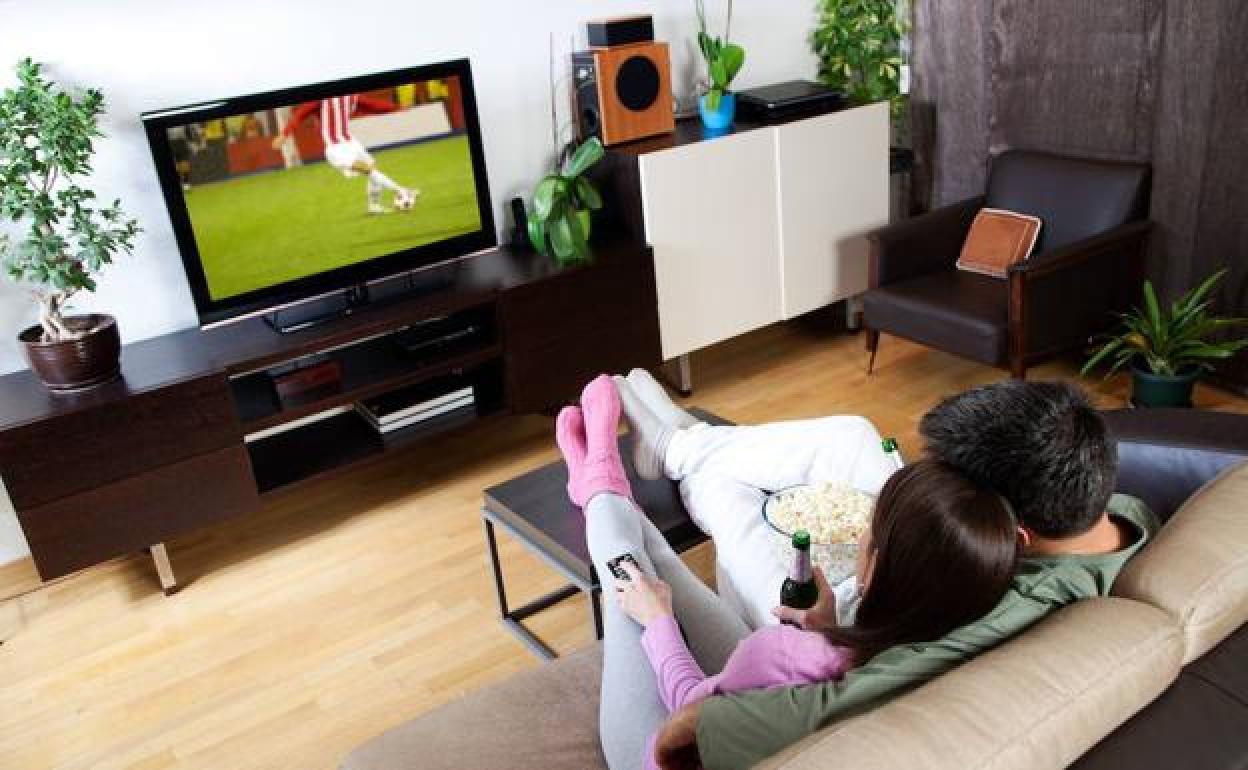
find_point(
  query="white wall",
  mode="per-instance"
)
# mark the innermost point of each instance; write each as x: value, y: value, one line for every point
x: 149, y: 54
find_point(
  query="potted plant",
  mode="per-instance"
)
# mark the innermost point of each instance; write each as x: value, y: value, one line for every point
x: 718, y: 106
x: 46, y: 137
x: 559, y: 222
x: 859, y: 45
x: 1168, y: 348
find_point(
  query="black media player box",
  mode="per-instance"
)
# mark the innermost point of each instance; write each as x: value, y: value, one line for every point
x: 622, y: 30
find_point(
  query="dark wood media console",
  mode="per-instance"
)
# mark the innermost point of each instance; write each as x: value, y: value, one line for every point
x: 185, y: 438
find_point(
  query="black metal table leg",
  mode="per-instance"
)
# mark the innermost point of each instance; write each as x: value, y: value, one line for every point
x: 513, y: 619
x: 595, y: 604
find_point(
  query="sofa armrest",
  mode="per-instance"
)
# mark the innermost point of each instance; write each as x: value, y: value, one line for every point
x: 1059, y: 299
x: 1164, y: 455
x: 922, y: 244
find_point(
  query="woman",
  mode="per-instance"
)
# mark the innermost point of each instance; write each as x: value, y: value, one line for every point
x: 939, y: 553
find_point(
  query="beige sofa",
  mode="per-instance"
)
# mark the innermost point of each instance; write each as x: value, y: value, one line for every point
x: 1039, y: 701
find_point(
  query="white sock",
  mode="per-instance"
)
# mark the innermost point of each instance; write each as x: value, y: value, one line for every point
x: 378, y: 178
x: 657, y: 401
x: 650, y: 434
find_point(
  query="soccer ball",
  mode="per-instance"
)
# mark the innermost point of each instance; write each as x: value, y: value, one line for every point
x: 404, y: 201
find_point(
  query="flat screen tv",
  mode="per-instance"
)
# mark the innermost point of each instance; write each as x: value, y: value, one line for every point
x: 286, y: 195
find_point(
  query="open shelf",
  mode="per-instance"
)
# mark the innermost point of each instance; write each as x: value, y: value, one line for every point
x: 325, y: 446
x: 368, y: 368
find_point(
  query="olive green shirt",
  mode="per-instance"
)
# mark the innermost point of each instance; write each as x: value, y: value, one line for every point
x: 738, y: 731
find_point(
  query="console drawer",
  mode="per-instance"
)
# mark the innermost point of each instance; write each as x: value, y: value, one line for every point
x: 81, y: 450
x: 131, y: 514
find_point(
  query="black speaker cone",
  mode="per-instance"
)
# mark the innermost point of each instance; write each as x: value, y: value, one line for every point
x: 637, y: 83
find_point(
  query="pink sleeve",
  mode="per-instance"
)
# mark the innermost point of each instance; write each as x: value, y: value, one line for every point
x: 680, y: 678
x: 774, y: 656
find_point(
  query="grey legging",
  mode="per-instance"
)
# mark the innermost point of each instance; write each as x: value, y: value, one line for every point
x: 630, y: 709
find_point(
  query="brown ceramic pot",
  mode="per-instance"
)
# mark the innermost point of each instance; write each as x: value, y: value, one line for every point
x: 91, y: 359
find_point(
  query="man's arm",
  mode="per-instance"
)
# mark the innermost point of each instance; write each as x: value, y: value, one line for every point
x: 736, y: 732
x: 297, y: 116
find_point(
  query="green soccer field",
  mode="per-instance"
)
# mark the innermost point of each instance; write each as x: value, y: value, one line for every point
x: 260, y: 230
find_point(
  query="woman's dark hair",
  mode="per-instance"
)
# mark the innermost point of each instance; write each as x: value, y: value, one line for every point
x: 1041, y: 444
x: 945, y: 553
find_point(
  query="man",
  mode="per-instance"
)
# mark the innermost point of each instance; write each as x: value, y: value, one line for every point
x: 343, y: 151
x: 1043, y: 447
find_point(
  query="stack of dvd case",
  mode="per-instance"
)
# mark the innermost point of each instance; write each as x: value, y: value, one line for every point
x: 392, y: 411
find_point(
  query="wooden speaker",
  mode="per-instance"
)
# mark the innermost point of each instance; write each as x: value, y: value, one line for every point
x: 624, y: 92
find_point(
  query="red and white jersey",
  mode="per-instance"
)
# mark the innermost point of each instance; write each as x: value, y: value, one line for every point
x: 336, y: 118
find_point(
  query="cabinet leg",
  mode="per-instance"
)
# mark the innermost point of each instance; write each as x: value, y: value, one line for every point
x: 679, y: 373
x: 160, y: 557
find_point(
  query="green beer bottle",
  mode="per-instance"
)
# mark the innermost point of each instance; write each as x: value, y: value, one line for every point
x: 889, y: 445
x: 799, y: 590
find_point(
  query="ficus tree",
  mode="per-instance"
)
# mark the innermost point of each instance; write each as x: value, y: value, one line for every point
x: 64, y: 237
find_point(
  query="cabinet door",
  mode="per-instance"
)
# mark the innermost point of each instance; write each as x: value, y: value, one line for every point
x: 833, y: 190
x: 710, y: 213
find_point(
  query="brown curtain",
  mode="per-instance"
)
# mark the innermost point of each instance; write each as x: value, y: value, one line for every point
x: 1156, y: 80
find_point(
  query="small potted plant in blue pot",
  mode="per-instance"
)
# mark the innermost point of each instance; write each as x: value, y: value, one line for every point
x: 1168, y: 348
x: 718, y: 106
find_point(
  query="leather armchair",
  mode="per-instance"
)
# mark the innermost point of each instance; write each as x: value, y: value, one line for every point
x: 1087, y: 264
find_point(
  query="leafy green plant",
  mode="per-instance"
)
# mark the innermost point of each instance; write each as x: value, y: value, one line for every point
x: 562, y: 200
x: 46, y: 142
x: 1170, y: 341
x: 858, y: 43
x: 723, y: 59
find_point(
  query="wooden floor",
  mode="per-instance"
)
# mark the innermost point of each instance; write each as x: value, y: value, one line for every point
x: 349, y: 607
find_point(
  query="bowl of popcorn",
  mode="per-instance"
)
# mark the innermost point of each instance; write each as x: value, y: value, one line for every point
x: 835, y: 514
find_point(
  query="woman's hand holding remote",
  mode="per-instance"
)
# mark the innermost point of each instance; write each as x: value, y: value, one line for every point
x: 820, y: 617
x: 642, y: 597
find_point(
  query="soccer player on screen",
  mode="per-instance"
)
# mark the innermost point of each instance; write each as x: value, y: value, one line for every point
x: 343, y: 151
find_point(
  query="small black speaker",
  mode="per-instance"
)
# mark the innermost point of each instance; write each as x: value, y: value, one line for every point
x: 622, y: 30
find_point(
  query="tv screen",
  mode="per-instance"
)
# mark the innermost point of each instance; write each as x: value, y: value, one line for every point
x: 289, y: 194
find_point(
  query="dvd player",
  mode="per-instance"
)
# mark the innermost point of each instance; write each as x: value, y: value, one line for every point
x: 787, y: 100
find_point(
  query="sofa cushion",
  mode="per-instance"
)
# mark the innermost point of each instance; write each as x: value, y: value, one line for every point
x: 963, y: 313
x: 1197, y: 567
x: 542, y: 719
x: 1039, y: 701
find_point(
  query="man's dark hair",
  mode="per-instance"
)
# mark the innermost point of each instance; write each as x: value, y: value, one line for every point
x: 1041, y: 445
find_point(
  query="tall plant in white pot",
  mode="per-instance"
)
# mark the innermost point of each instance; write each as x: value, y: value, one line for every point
x: 47, y: 139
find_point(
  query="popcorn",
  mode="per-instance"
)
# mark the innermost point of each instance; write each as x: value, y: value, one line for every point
x: 835, y: 515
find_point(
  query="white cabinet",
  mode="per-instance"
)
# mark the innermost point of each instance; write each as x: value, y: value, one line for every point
x: 761, y: 225
x: 832, y: 183
x: 710, y: 213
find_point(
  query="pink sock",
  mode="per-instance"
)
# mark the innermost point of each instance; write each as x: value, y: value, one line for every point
x: 603, y: 470
x: 570, y: 436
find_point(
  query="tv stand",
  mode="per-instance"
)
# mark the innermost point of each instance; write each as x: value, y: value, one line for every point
x: 323, y: 309
x: 194, y: 434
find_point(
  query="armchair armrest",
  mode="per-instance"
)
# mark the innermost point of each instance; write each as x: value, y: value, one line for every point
x: 921, y: 245
x: 1128, y: 236
x: 1060, y: 298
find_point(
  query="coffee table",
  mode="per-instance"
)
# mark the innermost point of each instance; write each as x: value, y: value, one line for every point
x: 535, y: 510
